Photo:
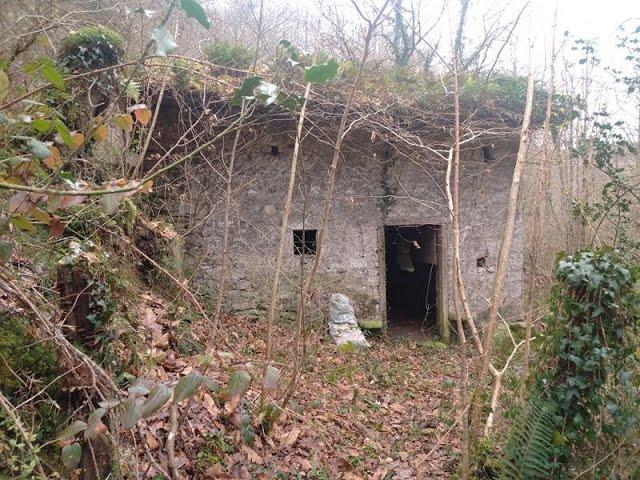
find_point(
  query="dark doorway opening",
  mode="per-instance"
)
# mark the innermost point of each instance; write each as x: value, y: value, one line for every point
x: 411, y: 258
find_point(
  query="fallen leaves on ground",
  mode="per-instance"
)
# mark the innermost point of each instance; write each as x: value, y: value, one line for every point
x: 357, y: 414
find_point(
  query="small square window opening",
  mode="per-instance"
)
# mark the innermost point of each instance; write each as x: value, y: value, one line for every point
x: 488, y: 153
x: 304, y: 241
x: 481, y: 262
x: 275, y: 150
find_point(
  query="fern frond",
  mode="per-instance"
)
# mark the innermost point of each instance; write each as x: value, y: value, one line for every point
x: 529, y: 449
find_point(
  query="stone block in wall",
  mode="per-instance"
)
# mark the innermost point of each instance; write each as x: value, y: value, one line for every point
x: 238, y: 301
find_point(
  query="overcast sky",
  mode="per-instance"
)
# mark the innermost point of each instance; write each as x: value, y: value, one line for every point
x: 596, y: 20
x: 591, y: 19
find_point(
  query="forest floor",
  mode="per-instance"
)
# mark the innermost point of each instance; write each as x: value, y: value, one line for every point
x: 357, y: 414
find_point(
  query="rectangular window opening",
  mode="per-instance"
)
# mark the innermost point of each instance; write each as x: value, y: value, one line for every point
x: 304, y: 242
x: 481, y: 262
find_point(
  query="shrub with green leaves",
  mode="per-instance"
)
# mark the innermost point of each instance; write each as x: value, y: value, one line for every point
x: 146, y: 397
x: 227, y: 55
x: 594, y: 313
x: 591, y: 366
x: 91, y: 48
x: 584, y: 402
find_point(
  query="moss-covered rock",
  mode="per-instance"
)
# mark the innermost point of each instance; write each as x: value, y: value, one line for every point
x: 90, y: 48
x: 374, y: 323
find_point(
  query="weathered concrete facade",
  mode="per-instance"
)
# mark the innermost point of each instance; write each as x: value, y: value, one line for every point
x: 375, y: 187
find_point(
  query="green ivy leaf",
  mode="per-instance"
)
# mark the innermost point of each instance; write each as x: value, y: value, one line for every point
x: 158, y: 396
x: 187, y: 387
x: 111, y: 202
x: 72, y: 430
x: 131, y: 414
x: 41, y: 125
x: 238, y: 384
x: 94, y: 424
x: 64, y: 132
x: 294, y: 56
x: 164, y: 41
x: 52, y: 75
x: 248, y: 86
x: 194, y: 10
x: 4, y: 85
x: 71, y: 455
x: 246, y: 90
x: 141, y: 386
x: 290, y: 102
x: 23, y: 223
x: 271, y: 379
x: 321, y: 73
x: 256, y: 88
x: 109, y: 403
x: 211, y: 385
x: 39, y: 149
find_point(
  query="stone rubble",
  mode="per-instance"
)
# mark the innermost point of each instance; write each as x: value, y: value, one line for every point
x: 343, y: 325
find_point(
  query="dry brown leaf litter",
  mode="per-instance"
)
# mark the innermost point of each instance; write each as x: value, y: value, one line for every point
x: 370, y: 414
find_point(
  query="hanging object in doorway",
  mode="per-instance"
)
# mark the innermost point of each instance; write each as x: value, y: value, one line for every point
x: 404, y: 257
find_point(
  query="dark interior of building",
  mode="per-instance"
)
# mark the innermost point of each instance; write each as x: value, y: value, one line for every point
x: 411, y: 276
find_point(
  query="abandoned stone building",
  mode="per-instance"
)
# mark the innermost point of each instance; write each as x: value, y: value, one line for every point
x: 387, y: 243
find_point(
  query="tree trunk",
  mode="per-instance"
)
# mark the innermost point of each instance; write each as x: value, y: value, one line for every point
x: 503, y: 260
x: 275, y: 284
x: 225, y: 234
x: 539, y: 203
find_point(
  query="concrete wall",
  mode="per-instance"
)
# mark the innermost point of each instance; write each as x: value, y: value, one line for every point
x: 375, y: 187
